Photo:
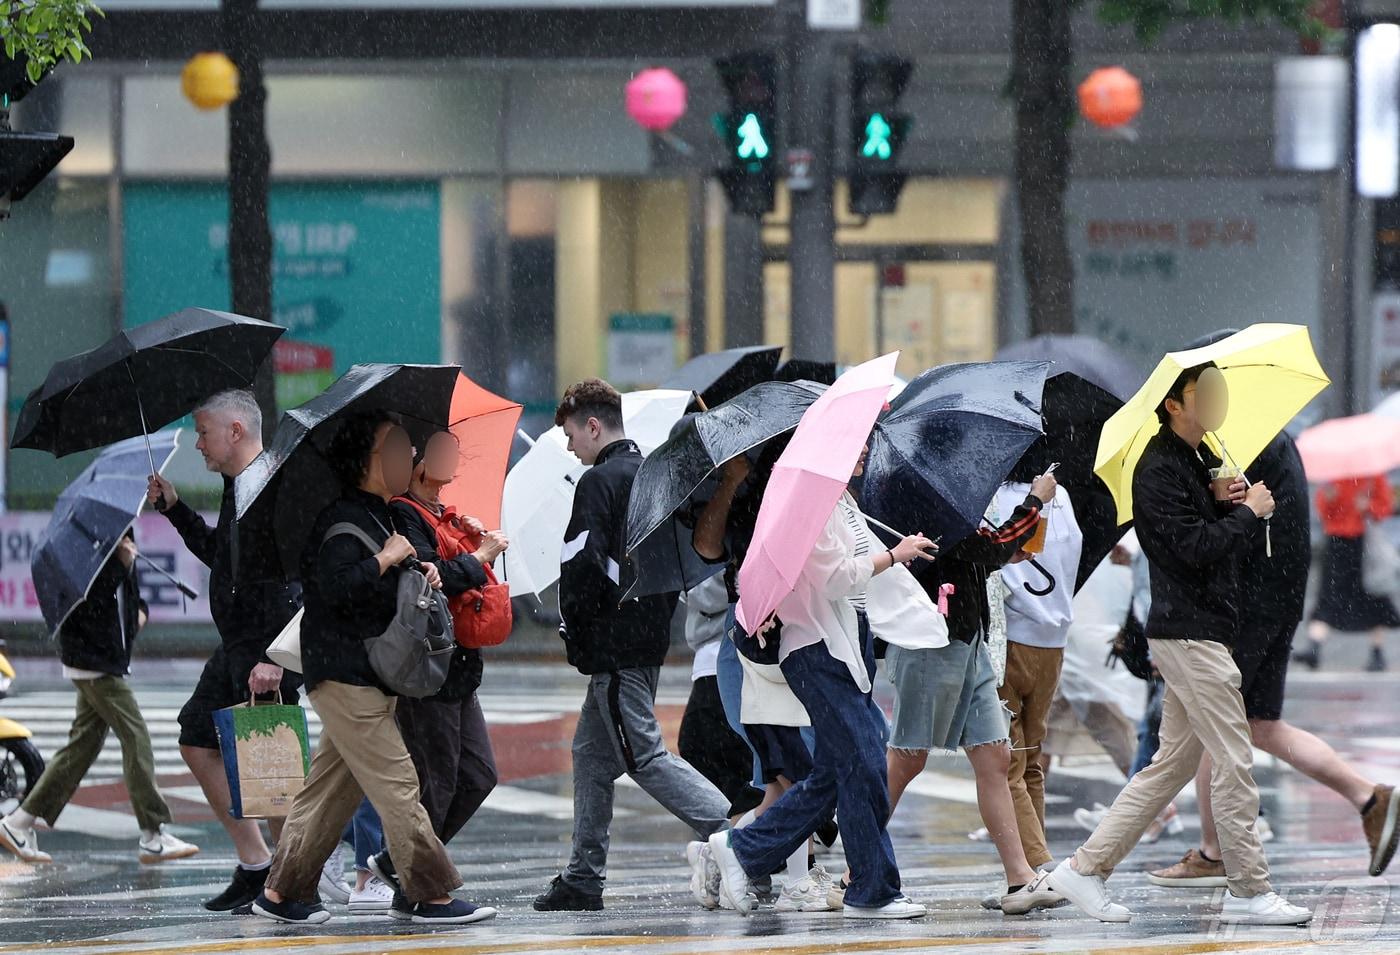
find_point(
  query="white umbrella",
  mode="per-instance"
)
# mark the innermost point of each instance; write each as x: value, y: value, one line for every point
x: 539, y: 490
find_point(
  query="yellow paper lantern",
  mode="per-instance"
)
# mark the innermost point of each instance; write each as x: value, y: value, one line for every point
x: 209, y: 80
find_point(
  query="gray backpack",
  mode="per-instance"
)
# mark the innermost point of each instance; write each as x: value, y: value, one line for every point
x: 413, y: 655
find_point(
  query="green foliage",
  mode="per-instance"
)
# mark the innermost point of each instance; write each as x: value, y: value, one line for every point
x: 1149, y: 18
x: 46, y: 31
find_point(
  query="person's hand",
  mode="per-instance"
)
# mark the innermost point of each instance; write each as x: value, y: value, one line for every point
x: 913, y: 547
x: 1044, y: 487
x: 1260, y: 500
x: 1120, y: 557
x: 474, y: 525
x: 265, y: 678
x: 433, y: 574
x: 126, y: 552
x: 160, y: 493
x: 1019, y: 556
x: 493, y: 544
x: 396, y: 550
x: 1238, y: 490
x: 735, y: 470
x: 141, y: 618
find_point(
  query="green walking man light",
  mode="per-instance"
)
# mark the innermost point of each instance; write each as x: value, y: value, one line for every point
x: 877, y: 138
x: 752, y: 145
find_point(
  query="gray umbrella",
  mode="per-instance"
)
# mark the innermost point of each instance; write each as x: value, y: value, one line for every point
x: 89, y: 519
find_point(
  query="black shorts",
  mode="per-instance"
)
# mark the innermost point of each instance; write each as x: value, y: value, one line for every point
x: 1262, y: 656
x: 219, y: 688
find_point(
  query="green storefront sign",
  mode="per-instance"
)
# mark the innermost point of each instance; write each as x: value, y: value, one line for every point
x: 356, y: 269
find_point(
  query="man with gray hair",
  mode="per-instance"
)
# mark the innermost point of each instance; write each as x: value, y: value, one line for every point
x: 251, y: 601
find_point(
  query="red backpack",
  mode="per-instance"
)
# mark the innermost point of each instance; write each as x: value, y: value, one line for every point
x: 481, y: 617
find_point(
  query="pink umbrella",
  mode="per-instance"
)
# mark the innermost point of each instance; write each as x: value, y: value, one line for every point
x: 807, y: 481
x: 1359, y: 446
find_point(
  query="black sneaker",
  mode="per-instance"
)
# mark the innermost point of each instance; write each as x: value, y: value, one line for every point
x: 1310, y: 657
x: 241, y: 892
x: 383, y: 866
x: 401, y: 909
x: 456, y: 912
x: 296, y: 913
x: 562, y: 897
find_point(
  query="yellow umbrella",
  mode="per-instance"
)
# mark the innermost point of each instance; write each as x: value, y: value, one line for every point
x: 1272, y: 374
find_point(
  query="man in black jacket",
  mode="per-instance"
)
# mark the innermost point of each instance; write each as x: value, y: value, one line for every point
x: 95, y: 648
x: 620, y: 646
x: 1194, y: 546
x: 251, y: 601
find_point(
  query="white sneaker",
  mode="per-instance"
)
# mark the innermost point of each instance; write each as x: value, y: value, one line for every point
x: 1036, y: 894
x: 992, y: 901
x: 1263, y: 830
x: 163, y: 848
x: 1267, y: 909
x: 808, y: 894
x: 980, y: 835
x: 332, y: 884
x: 374, y: 897
x: 900, y: 908
x: 733, y: 880
x: 1089, y: 819
x: 22, y: 842
x: 1088, y: 893
x: 704, y: 875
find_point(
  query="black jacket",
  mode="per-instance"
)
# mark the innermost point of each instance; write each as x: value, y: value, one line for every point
x: 459, y: 575
x: 1194, y: 546
x: 967, y: 565
x: 1273, y: 587
x: 249, y: 597
x: 600, y: 632
x: 95, y: 636
x: 347, y: 600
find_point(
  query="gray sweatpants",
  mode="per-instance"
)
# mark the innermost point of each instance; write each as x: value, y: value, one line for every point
x: 617, y: 733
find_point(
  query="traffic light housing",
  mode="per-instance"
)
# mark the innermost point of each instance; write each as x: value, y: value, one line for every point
x: 747, y: 127
x: 878, y: 131
x: 25, y: 158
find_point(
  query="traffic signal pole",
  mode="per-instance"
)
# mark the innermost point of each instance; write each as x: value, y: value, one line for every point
x: 809, y: 56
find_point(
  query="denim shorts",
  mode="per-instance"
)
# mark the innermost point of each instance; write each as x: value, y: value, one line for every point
x: 945, y: 698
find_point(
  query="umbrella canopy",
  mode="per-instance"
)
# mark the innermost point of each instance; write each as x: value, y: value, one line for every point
x: 1271, y: 372
x: 949, y: 440
x: 808, y: 479
x: 141, y: 379
x: 658, y: 544
x: 89, y: 519
x: 801, y: 369
x: 1087, y: 383
x: 484, y: 424
x: 292, y: 474
x: 718, y: 376
x: 539, y: 490
x: 1361, y: 445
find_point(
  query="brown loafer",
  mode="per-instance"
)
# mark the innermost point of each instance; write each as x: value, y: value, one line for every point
x: 1194, y: 871
x: 1382, y: 833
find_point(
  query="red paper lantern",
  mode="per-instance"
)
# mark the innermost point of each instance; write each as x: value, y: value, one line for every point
x: 1110, y: 97
x: 656, y: 99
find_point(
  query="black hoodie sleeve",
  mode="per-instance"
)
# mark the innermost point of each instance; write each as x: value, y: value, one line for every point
x: 588, y: 570
x: 993, y: 547
x: 198, y: 536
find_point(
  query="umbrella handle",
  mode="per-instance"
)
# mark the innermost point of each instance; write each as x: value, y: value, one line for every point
x: 1049, y: 577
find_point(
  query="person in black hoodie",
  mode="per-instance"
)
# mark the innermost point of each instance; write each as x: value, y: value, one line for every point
x: 251, y: 601
x: 1194, y: 546
x: 95, y: 647
x: 620, y: 645
x: 352, y: 596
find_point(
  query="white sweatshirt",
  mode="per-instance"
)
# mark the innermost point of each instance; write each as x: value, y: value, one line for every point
x: 1042, y: 621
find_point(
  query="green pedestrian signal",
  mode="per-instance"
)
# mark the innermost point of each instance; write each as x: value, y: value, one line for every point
x: 877, y: 138
x: 752, y: 144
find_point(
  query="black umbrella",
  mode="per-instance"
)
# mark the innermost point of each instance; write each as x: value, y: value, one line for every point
x: 1087, y: 383
x: 948, y: 441
x: 292, y: 474
x: 800, y: 369
x: 674, y: 476
x: 141, y: 379
x: 89, y: 519
x: 718, y: 376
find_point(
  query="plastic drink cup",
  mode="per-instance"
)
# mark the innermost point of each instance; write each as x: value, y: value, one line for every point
x: 1221, y: 479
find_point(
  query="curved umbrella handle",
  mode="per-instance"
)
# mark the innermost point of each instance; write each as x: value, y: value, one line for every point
x: 1049, y: 577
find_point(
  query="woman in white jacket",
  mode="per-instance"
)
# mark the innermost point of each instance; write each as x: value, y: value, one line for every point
x: 828, y: 659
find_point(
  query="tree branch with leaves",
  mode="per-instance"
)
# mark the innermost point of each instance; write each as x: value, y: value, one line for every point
x: 45, y: 32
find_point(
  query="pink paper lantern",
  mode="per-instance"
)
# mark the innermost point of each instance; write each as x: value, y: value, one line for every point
x: 656, y: 99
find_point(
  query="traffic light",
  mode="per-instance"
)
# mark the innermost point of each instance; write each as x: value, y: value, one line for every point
x: 877, y: 131
x: 751, y: 172
x: 25, y: 158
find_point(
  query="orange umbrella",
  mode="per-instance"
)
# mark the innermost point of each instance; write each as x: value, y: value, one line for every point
x: 484, y: 424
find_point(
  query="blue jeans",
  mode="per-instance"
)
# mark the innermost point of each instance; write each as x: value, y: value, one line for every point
x: 1148, y: 727
x: 848, y: 774
x: 364, y: 834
